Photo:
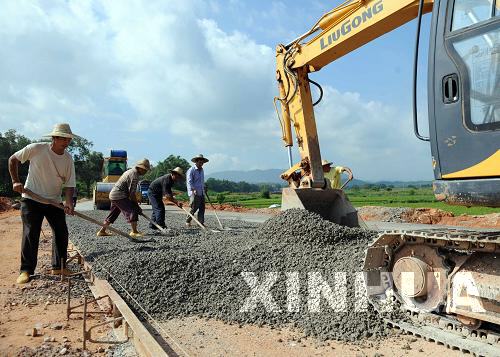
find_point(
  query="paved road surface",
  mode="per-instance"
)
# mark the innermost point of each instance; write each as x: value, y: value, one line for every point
x: 261, y: 217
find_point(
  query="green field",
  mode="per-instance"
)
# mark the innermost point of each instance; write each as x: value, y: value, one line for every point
x: 396, y: 197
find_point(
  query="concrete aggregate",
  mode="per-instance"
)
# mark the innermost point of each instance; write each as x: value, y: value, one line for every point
x: 193, y: 273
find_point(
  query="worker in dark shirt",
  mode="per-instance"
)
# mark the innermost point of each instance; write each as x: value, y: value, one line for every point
x: 160, y: 187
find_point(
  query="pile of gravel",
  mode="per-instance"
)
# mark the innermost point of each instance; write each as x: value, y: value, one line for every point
x: 202, y: 274
x: 298, y: 226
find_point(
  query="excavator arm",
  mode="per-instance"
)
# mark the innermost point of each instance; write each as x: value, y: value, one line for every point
x: 338, y: 32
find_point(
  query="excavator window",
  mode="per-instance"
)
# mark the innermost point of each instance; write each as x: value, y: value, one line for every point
x: 470, y: 12
x: 477, y: 47
x: 481, y: 56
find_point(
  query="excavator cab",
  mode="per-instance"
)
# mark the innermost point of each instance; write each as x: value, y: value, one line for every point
x: 464, y: 101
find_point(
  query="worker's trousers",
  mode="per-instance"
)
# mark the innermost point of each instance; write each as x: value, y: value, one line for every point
x: 158, y: 206
x: 197, y: 203
x: 32, y: 214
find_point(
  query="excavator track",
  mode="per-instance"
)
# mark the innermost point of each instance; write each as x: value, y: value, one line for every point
x: 450, y: 333
x: 431, y: 322
x: 458, y: 239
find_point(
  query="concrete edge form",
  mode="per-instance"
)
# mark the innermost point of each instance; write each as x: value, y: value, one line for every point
x: 145, y: 343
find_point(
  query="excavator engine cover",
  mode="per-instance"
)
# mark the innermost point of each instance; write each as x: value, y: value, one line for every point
x: 331, y: 204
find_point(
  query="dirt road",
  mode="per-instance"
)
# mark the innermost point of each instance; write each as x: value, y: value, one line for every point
x: 33, y: 316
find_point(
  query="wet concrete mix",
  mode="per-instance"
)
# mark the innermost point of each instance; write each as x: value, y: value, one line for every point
x: 281, y: 268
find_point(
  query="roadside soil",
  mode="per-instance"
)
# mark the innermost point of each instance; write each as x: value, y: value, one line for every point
x: 428, y: 216
x: 33, y: 316
x: 207, y: 337
x: 6, y: 204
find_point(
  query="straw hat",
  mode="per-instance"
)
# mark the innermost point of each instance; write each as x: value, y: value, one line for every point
x: 326, y: 163
x: 199, y: 157
x: 62, y: 130
x: 178, y: 171
x: 143, y: 164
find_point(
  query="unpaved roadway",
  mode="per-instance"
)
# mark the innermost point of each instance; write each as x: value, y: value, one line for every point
x: 41, y: 304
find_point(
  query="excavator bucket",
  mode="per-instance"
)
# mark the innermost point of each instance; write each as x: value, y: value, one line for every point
x: 331, y: 204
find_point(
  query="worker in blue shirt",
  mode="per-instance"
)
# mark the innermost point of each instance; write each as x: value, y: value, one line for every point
x: 195, y: 182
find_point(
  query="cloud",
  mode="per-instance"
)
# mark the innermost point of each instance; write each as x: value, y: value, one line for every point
x: 375, y: 139
x: 164, y: 77
x: 223, y: 162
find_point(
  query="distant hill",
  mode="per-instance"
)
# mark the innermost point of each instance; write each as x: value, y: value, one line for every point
x: 273, y: 176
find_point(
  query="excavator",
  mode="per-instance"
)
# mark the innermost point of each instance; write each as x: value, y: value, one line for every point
x: 446, y: 281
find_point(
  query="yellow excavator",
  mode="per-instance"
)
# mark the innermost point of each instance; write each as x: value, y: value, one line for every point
x: 447, y: 280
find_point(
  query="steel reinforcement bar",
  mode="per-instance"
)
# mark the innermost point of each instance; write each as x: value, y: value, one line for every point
x: 146, y: 340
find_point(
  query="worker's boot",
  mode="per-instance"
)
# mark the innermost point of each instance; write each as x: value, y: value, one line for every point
x: 23, y: 278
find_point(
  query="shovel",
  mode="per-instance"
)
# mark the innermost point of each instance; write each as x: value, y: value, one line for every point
x: 163, y: 230
x: 198, y: 222
x: 194, y: 218
x: 83, y: 216
x: 216, y: 216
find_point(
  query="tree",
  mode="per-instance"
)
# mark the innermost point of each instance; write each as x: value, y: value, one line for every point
x: 10, y: 142
x: 80, y: 148
x: 264, y: 192
x: 164, y: 167
x: 88, y: 163
x: 88, y: 171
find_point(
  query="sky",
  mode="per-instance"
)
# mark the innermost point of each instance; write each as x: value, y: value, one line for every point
x: 161, y: 77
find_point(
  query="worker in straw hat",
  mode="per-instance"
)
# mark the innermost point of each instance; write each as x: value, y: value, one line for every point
x: 124, y: 200
x: 195, y: 182
x: 162, y: 186
x: 333, y: 175
x: 51, y: 168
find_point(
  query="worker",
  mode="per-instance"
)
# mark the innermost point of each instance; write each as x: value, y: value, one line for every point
x: 162, y: 186
x: 50, y: 168
x: 195, y: 182
x: 123, y: 199
x: 75, y: 196
x: 336, y: 173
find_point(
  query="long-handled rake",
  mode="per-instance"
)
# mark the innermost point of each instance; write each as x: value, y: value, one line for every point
x: 85, y: 217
